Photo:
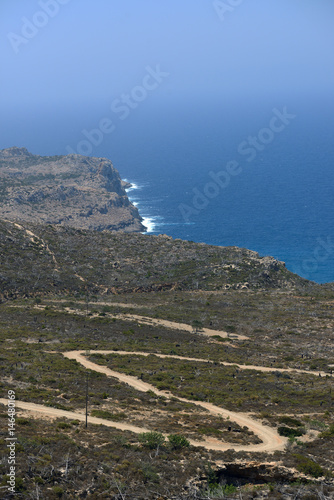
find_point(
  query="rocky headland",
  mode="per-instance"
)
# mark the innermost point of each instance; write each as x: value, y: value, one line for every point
x: 72, y: 190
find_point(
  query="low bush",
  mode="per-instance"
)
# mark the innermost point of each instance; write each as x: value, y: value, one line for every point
x: 308, y: 466
x: 151, y: 440
x: 289, y: 432
x: 328, y: 433
x: 116, y: 417
x: 177, y: 441
x: 290, y: 421
x: 63, y: 425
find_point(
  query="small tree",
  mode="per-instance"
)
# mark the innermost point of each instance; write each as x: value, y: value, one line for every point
x: 178, y: 441
x: 151, y: 440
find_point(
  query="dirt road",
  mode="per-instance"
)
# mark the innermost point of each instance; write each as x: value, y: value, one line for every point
x: 265, y: 369
x: 271, y: 441
x: 40, y: 411
x: 145, y: 320
x: 178, y: 326
x: 47, y: 411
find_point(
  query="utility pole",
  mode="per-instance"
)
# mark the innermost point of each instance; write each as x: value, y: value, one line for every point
x: 86, y: 400
x: 87, y: 300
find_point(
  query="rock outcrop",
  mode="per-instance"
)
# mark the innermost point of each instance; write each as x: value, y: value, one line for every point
x: 73, y: 190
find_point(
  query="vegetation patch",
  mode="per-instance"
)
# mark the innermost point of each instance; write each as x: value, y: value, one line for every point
x: 116, y: 417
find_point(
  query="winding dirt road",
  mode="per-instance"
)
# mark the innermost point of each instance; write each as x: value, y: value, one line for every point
x: 271, y: 441
x: 270, y: 444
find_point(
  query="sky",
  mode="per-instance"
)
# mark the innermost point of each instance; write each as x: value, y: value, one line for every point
x: 70, y: 67
x: 59, y: 53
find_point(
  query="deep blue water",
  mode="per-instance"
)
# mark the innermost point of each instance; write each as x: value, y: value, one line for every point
x: 280, y: 203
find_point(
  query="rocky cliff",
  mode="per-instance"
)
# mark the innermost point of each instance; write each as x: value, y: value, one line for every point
x: 72, y: 190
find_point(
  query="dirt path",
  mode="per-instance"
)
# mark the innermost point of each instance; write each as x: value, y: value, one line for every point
x: 33, y: 237
x: 265, y: 369
x: 179, y: 326
x: 47, y: 411
x: 101, y: 303
x: 271, y: 441
x: 41, y: 411
x: 145, y: 320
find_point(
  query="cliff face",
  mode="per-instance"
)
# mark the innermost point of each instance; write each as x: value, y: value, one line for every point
x: 72, y: 190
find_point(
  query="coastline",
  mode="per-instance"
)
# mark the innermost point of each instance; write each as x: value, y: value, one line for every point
x: 299, y: 260
x: 148, y: 221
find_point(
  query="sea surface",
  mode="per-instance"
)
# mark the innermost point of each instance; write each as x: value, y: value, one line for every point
x: 196, y: 177
x: 279, y: 201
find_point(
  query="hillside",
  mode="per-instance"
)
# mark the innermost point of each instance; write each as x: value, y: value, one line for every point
x: 73, y: 190
x: 55, y: 259
x: 209, y: 369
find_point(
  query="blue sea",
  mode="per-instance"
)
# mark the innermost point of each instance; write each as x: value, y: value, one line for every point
x: 256, y: 174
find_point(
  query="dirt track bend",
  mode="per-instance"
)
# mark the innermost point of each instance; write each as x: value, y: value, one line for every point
x: 271, y: 441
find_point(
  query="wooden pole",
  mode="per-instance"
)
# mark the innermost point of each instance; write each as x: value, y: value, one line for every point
x: 87, y: 400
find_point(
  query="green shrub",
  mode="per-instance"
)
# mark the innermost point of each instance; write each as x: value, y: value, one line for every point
x: 151, y: 440
x: 116, y: 417
x: 288, y: 432
x: 220, y: 491
x: 63, y: 425
x: 328, y: 433
x: 290, y: 421
x: 38, y: 480
x: 177, y: 441
x: 308, y: 466
x: 19, y: 484
x: 23, y: 421
x: 220, y: 339
x: 229, y: 489
x: 58, y: 491
x: 149, y: 474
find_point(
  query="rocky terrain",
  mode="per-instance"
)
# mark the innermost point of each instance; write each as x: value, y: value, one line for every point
x: 207, y: 371
x: 55, y: 259
x: 73, y: 190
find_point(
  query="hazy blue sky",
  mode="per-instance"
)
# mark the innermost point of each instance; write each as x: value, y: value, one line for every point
x: 94, y: 51
x: 201, y: 75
